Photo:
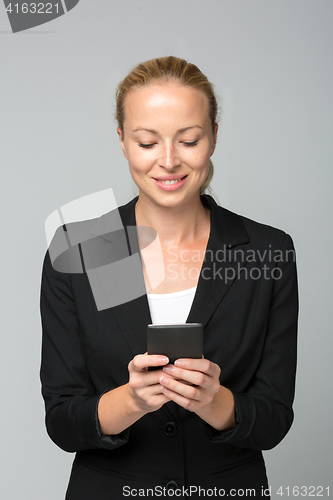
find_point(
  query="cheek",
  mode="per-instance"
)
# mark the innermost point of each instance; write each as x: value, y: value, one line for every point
x: 138, y: 161
x: 199, y: 159
x: 135, y: 171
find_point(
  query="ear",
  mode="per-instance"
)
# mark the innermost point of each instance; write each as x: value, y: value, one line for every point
x: 121, y: 140
x: 214, y: 139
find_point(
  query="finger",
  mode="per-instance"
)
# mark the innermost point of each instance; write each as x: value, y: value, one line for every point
x: 142, y: 379
x: 187, y: 391
x: 141, y: 362
x: 189, y: 376
x: 147, y: 392
x: 202, y: 365
x: 188, y: 404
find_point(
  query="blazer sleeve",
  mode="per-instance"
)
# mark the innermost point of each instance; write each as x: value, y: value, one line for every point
x: 70, y: 397
x: 264, y: 411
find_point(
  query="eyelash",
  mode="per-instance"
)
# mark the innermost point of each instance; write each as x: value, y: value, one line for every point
x: 187, y: 144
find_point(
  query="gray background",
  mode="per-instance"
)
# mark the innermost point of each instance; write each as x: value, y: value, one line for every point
x: 271, y: 62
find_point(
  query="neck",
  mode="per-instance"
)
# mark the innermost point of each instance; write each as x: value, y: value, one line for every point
x: 174, y: 225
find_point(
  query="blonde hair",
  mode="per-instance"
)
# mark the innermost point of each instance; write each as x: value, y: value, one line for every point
x: 165, y: 69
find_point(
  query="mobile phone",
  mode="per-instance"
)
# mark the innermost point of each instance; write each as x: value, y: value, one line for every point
x: 175, y: 341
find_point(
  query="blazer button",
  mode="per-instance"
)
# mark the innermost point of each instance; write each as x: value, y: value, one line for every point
x: 170, y: 429
x: 172, y: 485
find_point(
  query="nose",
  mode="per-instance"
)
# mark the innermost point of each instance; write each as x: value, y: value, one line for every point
x: 169, y: 158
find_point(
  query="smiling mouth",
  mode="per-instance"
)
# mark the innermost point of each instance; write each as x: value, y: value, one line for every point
x: 171, y: 181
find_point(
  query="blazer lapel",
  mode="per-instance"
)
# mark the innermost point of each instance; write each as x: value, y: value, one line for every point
x: 132, y: 316
x: 222, y: 263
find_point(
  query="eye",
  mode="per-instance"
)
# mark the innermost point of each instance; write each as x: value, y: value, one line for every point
x: 147, y: 146
x: 189, y: 144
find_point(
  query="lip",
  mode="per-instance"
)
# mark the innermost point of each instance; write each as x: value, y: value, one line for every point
x: 169, y: 177
x: 170, y: 187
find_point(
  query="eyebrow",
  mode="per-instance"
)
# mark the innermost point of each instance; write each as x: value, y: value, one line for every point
x: 181, y: 130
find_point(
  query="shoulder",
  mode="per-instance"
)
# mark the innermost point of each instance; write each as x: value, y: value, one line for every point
x: 263, y: 232
x: 258, y: 234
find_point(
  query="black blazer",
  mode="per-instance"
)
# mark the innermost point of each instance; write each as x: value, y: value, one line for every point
x: 248, y: 303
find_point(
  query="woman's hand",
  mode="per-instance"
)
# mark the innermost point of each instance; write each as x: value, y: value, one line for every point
x: 147, y: 391
x: 144, y: 385
x: 201, y: 393
x: 202, y: 382
x: 119, y: 408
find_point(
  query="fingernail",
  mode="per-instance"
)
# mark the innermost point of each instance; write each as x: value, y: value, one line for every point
x: 178, y: 362
x: 164, y: 360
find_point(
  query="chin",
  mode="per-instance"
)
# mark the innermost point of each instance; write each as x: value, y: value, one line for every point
x: 170, y: 199
x: 175, y: 200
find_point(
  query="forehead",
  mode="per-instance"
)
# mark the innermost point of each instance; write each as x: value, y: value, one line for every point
x: 163, y: 100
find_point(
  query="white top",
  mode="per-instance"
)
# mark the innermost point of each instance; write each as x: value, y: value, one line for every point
x: 170, y: 308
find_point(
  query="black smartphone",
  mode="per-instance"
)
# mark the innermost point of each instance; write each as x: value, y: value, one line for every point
x: 175, y: 341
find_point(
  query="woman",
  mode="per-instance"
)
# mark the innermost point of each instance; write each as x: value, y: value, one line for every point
x: 200, y: 423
